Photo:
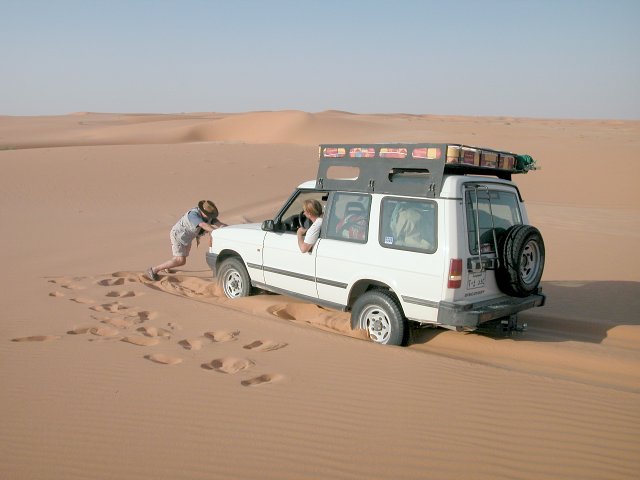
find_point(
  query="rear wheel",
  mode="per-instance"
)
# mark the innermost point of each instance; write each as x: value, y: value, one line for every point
x: 378, y: 312
x: 234, y: 278
x: 522, y: 256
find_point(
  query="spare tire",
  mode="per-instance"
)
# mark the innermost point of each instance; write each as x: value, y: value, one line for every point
x: 521, y: 253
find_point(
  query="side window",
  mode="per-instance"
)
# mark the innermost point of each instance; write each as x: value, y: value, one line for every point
x: 486, y: 210
x: 292, y: 214
x: 348, y: 218
x: 409, y: 225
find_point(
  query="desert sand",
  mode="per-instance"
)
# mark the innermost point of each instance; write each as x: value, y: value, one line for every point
x: 108, y: 375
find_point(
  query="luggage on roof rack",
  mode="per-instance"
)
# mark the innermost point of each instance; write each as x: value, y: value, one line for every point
x: 412, y: 168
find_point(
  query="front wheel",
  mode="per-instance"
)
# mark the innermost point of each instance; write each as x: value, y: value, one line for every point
x: 234, y: 279
x: 378, y: 312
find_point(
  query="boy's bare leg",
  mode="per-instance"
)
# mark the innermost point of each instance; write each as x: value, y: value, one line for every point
x: 174, y: 262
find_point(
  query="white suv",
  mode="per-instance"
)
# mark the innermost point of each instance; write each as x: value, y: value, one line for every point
x: 413, y: 234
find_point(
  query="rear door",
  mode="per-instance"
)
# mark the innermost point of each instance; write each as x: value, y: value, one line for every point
x: 395, y: 244
x: 490, y: 209
x: 343, y: 253
x: 411, y: 254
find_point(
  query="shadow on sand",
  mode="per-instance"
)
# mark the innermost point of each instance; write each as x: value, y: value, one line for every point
x: 582, y: 311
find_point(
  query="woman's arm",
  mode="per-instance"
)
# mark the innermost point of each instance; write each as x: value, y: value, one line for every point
x: 304, y: 247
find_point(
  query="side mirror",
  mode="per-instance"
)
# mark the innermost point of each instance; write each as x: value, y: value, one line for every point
x: 268, y: 226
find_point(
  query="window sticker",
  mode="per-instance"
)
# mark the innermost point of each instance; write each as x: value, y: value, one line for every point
x: 427, y: 153
x: 388, y: 240
x: 359, y: 152
x: 331, y: 152
x: 393, y: 152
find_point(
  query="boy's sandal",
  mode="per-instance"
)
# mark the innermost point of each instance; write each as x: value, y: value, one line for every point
x: 152, y: 276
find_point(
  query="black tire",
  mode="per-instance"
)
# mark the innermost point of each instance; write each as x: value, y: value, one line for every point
x: 521, y: 252
x: 379, y: 314
x: 233, y: 278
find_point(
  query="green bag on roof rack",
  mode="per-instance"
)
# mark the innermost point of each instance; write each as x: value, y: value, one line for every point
x: 525, y: 162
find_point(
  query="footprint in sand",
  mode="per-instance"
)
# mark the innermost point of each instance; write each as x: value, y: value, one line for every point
x: 79, y: 330
x: 262, y: 379
x: 163, y: 359
x: 36, y: 338
x: 187, y: 344
x: 82, y: 300
x: 56, y: 294
x: 229, y: 365
x: 141, y: 341
x: 281, y: 312
x: 116, y: 322
x: 115, y: 293
x: 264, y: 346
x: 111, y: 282
x: 109, y: 307
x: 142, y: 315
x: 68, y: 283
x: 154, y: 332
x: 104, y: 331
x: 222, y: 336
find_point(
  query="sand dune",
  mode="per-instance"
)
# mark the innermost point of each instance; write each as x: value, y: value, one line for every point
x: 108, y: 375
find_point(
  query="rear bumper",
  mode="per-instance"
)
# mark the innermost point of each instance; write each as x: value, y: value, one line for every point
x: 212, y: 259
x: 474, y: 314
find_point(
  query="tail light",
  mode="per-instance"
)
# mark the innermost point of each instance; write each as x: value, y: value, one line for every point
x: 455, y: 273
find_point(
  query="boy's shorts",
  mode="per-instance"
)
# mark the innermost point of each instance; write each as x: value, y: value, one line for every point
x: 179, y: 249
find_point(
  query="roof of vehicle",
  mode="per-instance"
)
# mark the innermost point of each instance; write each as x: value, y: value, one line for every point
x: 450, y: 186
x: 415, y: 169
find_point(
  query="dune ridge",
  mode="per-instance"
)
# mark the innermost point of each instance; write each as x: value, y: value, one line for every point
x: 289, y: 127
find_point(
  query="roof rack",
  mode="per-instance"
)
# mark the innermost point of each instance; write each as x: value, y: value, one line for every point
x: 410, y: 168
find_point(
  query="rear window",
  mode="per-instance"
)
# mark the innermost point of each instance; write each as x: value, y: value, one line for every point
x: 487, y: 210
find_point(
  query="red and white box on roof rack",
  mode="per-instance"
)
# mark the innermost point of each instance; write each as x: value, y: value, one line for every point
x: 506, y: 162
x: 488, y: 159
x: 464, y: 155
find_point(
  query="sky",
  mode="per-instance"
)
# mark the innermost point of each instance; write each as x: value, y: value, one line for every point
x: 538, y: 58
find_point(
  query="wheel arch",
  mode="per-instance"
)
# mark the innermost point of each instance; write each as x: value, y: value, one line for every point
x: 228, y: 253
x: 364, y: 285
